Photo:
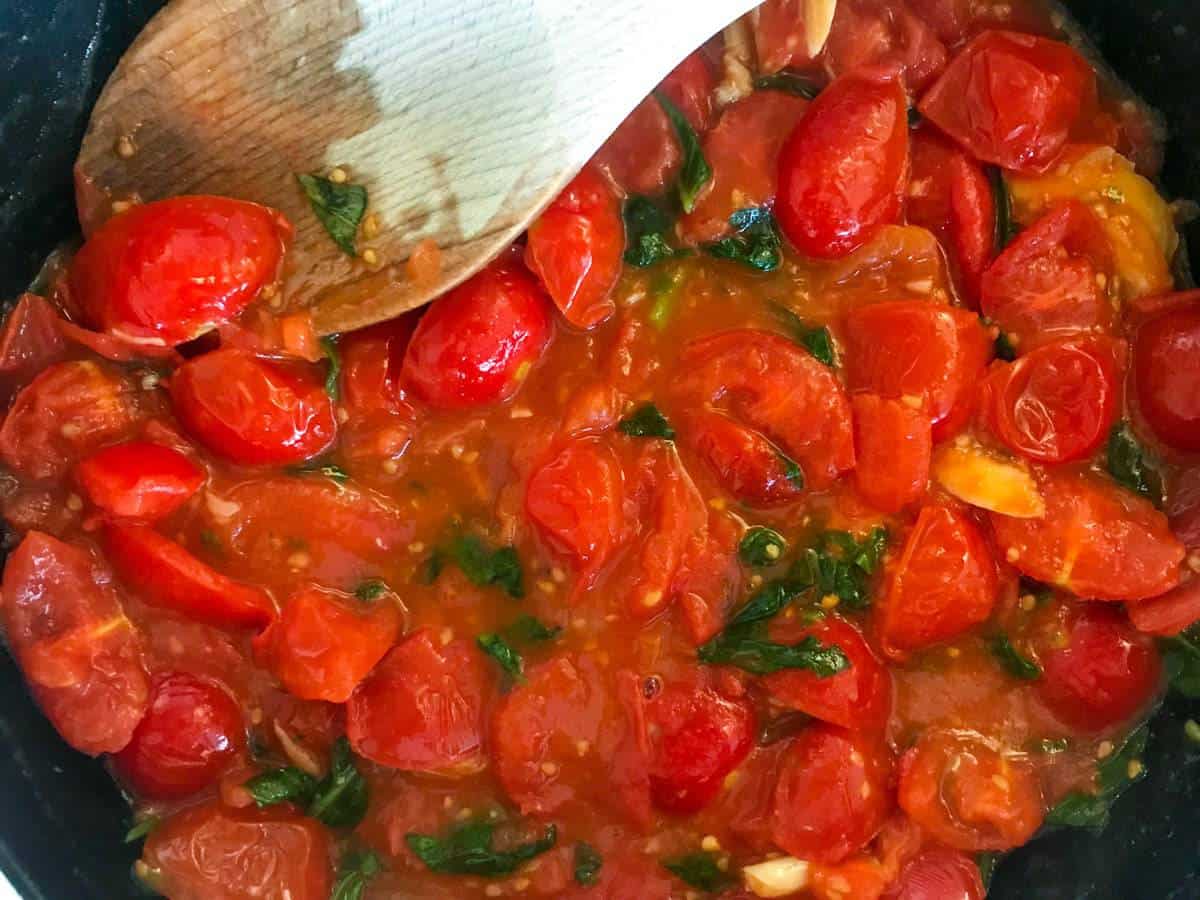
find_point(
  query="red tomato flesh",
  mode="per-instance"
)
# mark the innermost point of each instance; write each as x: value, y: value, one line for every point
x: 1166, y: 361
x: 893, y: 443
x: 139, y: 480
x: 747, y: 464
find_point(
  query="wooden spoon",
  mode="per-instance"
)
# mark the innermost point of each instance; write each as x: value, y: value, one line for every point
x: 463, y: 119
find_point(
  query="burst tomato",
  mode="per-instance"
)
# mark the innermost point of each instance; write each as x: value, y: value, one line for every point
x: 139, y: 480
x: 1166, y: 359
x: 748, y: 465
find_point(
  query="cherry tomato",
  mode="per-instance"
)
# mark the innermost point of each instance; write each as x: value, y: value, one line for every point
x: 893, y: 443
x: 968, y: 793
x: 922, y: 353
x: 1049, y: 282
x: 938, y: 874
x: 1169, y: 613
x: 371, y: 363
x: 165, y: 575
x: 476, y: 344
x: 1105, y: 675
x: 422, y: 708
x: 324, y: 643
x: 30, y: 340
x: 832, y: 795
x: 211, y: 852
x: 842, y: 171
x: 1166, y: 359
x: 192, y: 732
x: 575, y: 249
x: 780, y: 35
x: 164, y: 272
x: 746, y: 464
x: 697, y: 737
x: 139, y: 480
x: 773, y: 386
x: 1096, y: 540
x: 67, y: 412
x: 1011, y: 99
x: 858, y: 698
x: 251, y: 410
x: 81, y: 656
x: 884, y: 33
x: 943, y: 584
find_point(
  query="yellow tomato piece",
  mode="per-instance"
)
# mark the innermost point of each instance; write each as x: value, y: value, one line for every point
x: 1137, y: 220
x: 980, y: 479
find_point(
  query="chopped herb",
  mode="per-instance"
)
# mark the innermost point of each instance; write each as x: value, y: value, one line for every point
x: 339, y: 799
x: 755, y: 242
x: 987, y: 863
x: 744, y: 647
x: 1181, y: 657
x: 762, y: 546
x: 333, y: 472
x: 695, y: 172
x: 1127, y: 463
x: 1116, y: 772
x: 284, y: 785
x: 1003, y: 347
x: 141, y: 828
x: 816, y: 340
x: 647, y: 226
x: 791, y: 471
x: 329, y: 346
x: 664, y: 291
x: 1006, y: 228
x: 529, y: 630
x: 841, y: 565
x: 371, y: 590
x: 467, y: 850
x: 782, y: 727
x: 486, y: 567
x: 699, y: 870
x: 1014, y: 662
x: 790, y: 83
x: 647, y: 421
x: 338, y: 207
x: 355, y: 870
x: 768, y: 601
x: 502, y: 652
x: 588, y: 863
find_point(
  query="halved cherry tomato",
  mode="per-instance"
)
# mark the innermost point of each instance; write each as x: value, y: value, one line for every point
x: 81, y: 656
x: 943, y: 584
x: 1011, y: 99
x: 1049, y: 283
x: 832, y: 795
x: 884, y: 33
x: 923, y: 353
x: 324, y: 643
x: 68, y: 411
x: 1059, y: 402
x: 748, y: 465
x: 211, y: 852
x: 842, y: 171
x: 165, y: 272
x: 696, y: 738
x: 371, y: 363
x: 192, y: 732
x: 165, y: 575
x: 476, y: 344
x: 1170, y: 613
x: 1105, y: 675
x: 938, y: 874
x: 575, y: 249
x: 1096, y: 540
x: 775, y: 387
x: 422, y: 708
x: 893, y: 443
x: 969, y: 793
x: 139, y: 480
x: 252, y: 410
x: 30, y: 340
x: 858, y: 698
x: 1166, y: 359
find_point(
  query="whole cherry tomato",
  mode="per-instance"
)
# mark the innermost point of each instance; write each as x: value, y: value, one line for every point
x: 1166, y: 359
x: 192, y: 732
x: 893, y: 443
x: 842, y: 171
x: 938, y: 874
x: 139, y: 480
x: 1011, y: 99
x: 746, y: 464
x: 476, y: 344
x: 165, y: 272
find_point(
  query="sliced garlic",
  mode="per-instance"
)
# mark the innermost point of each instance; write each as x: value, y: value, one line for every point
x: 818, y: 19
x: 980, y: 479
x: 737, y: 81
x: 776, y: 877
x: 299, y: 756
x: 222, y: 509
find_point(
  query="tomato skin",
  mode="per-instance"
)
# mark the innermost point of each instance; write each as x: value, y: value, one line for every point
x: 165, y: 575
x: 1166, y: 360
x: 1037, y: 293
x: 1011, y: 99
x: 371, y: 363
x: 943, y: 584
x: 575, y: 249
x: 164, y: 272
x: 893, y: 444
x: 324, y: 643
x: 938, y: 874
x: 1097, y: 540
x: 192, y: 732
x: 81, y: 657
x: 1105, y: 675
x: 475, y: 344
x: 842, y: 171
x: 1170, y: 613
x: 421, y: 709
x: 832, y: 795
x: 212, y: 852
x: 139, y: 480
x: 746, y: 463
x: 30, y: 340
x: 253, y: 411
x: 948, y: 787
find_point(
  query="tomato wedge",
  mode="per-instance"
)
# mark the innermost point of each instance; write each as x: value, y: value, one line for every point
x: 748, y: 465
x: 893, y: 443
x: 139, y: 480
x: 30, y: 340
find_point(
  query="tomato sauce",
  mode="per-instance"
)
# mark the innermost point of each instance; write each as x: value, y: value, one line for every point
x: 803, y: 528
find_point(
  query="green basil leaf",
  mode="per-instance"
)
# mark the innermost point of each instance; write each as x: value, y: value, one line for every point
x: 790, y: 83
x: 741, y: 646
x: 840, y: 564
x: 1127, y: 463
x: 485, y: 567
x: 695, y: 172
x: 141, y: 828
x: 467, y: 850
x: 699, y: 870
x: 588, y: 863
x: 284, y: 785
x: 502, y: 652
x: 371, y: 590
x: 1181, y: 658
x: 791, y: 470
x: 329, y: 346
x: 529, y: 630
x: 340, y: 799
x: 664, y: 292
x: 1115, y: 773
x: 768, y: 601
x: 338, y: 207
x: 987, y: 863
x: 647, y: 227
x: 1006, y: 228
x: 355, y: 870
x: 816, y: 340
x: 755, y: 242
x: 761, y: 546
x: 647, y: 421
x: 1013, y: 661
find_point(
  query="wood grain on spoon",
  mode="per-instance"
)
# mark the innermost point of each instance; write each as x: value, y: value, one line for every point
x: 462, y: 119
